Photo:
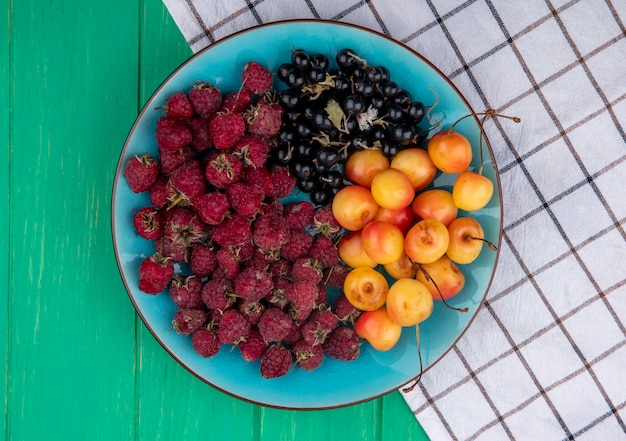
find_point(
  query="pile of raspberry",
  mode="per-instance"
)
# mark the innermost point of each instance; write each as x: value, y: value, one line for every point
x: 243, y: 268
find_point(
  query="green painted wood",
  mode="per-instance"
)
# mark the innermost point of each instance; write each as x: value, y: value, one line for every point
x: 71, y: 360
x: 398, y: 421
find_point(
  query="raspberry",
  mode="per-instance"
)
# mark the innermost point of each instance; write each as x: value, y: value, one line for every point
x: 141, y: 172
x: 274, y: 324
x: 205, y: 343
x: 206, y: 99
x: 275, y: 362
x: 233, y: 328
x: 276, y: 296
x: 200, y: 134
x: 256, y: 78
x: 251, y: 310
x: 324, y: 251
x: 237, y: 101
x: 295, y: 334
x: 297, y: 245
x: 212, y: 207
x: 307, y: 355
x: 336, y: 275
x: 324, y: 222
x: 185, y: 183
x: 233, y: 231
x: 178, y: 106
x: 186, y: 292
x: 318, y: 326
x: 223, y: 169
x: 186, y: 321
x: 172, y: 159
x: 280, y: 269
x: 302, y: 297
x: 253, y: 347
x: 253, y: 284
x: 226, y: 129
x: 202, y: 259
x: 148, y: 222
x: 306, y: 269
x: 158, y: 192
x: 322, y: 294
x: 264, y: 118
x: 245, y: 198
x: 155, y: 274
x: 342, y: 344
x: 218, y: 294
x: 244, y: 251
x: 260, y: 177
x: 284, y: 182
x: 183, y: 226
x: 270, y: 232
x: 346, y: 312
x: 228, y: 261
x: 252, y: 150
x: 299, y: 215
x: 172, y: 133
x: 178, y: 252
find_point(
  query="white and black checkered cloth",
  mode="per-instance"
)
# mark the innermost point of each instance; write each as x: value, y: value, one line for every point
x: 545, y: 358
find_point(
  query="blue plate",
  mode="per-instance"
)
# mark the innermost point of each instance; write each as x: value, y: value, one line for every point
x: 335, y: 383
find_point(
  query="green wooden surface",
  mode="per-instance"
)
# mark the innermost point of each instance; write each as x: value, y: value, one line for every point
x: 80, y: 365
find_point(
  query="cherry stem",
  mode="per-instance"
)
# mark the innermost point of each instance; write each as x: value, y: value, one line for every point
x: 491, y: 246
x: 428, y: 117
x: 419, y: 354
x: 430, y: 279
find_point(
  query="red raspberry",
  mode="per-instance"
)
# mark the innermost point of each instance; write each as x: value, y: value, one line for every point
x: 270, y: 232
x: 233, y: 231
x: 178, y: 106
x: 299, y: 215
x: 212, y: 207
x: 245, y: 198
x: 233, y: 328
x: 251, y: 310
x: 274, y: 324
x: 252, y: 150
x: 256, y: 78
x: 306, y: 269
x: 297, y: 245
x: 244, y: 251
x: 302, y: 297
x: 307, y: 355
x: 202, y: 259
x: 155, y: 274
x: 342, y: 344
x: 264, y: 119
x: 336, y: 275
x: 205, y: 343
x: 172, y: 133
x: 260, y: 177
x: 141, y: 172
x: 223, y: 169
x: 158, y: 192
x: 318, y: 326
x: 280, y: 269
x: 253, y: 347
x: 237, y: 101
x: 186, y: 291
x: 346, y: 312
x: 275, y: 362
x: 324, y: 222
x: 294, y: 336
x: 218, y: 294
x: 149, y: 223
x: 186, y: 321
x: 201, y: 136
x: 185, y: 183
x: 206, y: 99
x: 253, y: 284
x: 228, y: 262
x: 324, y: 251
x: 284, y: 182
x: 322, y: 295
x: 226, y: 129
x: 183, y: 226
x: 172, y: 159
x: 178, y: 252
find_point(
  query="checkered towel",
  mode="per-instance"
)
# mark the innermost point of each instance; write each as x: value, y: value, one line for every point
x: 545, y: 358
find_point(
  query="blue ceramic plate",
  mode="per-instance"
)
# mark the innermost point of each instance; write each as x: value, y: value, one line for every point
x: 335, y: 383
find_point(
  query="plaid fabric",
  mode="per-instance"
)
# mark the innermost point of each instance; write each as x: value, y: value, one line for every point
x: 545, y: 357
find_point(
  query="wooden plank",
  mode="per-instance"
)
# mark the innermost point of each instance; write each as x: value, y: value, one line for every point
x: 71, y: 361
x: 398, y: 422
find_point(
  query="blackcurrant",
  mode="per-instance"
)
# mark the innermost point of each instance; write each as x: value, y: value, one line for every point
x: 283, y: 71
x: 296, y: 78
x: 342, y: 84
x: 389, y: 148
x: 394, y: 113
x: 289, y: 98
x: 321, y: 121
x: 403, y: 99
x: 377, y: 101
x: 390, y: 89
x: 283, y: 154
x: 327, y: 156
x: 345, y: 59
x: 307, y: 185
x: 286, y: 135
x: 332, y: 179
x: 403, y: 133
x: 316, y: 74
x: 354, y: 104
x: 365, y: 88
x: 303, y: 167
x: 416, y: 111
x: 300, y: 58
x: 321, y: 196
x: 320, y: 60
